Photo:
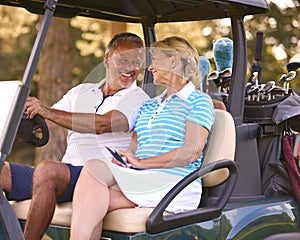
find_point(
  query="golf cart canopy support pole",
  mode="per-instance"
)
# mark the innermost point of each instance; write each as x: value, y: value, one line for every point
x: 239, y: 70
x: 149, y: 37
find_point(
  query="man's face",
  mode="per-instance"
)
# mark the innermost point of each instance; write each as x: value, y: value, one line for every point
x: 123, y: 64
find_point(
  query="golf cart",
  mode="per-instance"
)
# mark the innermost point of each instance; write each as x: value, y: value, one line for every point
x: 246, y: 189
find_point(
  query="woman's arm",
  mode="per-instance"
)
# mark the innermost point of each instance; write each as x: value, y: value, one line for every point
x: 133, y: 144
x: 195, y: 138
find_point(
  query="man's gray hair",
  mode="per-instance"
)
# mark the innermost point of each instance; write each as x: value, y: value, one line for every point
x: 126, y: 37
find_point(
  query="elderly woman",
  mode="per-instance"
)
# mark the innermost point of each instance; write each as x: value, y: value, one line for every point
x: 167, y: 143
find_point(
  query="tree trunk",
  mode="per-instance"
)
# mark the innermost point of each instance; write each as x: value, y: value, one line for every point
x: 55, y: 78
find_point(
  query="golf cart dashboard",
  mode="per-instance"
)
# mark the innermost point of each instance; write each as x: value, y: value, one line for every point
x: 151, y: 11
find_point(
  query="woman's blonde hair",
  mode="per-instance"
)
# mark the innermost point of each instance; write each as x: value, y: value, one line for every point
x: 188, y: 55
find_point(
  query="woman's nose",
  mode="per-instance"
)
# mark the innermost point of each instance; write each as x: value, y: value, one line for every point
x: 150, y: 68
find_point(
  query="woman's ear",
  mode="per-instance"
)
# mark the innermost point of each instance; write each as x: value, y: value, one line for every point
x: 175, y: 61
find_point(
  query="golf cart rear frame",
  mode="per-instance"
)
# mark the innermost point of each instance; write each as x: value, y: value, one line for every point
x: 148, y: 13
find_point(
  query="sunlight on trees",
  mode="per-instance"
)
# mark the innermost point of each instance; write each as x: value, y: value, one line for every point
x: 94, y: 34
x: 15, y: 23
x: 281, y: 38
x: 285, y: 3
x: 280, y: 26
x: 16, y: 32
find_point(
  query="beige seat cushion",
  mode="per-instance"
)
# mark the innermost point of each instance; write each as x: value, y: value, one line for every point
x: 221, y: 145
x: 62, y: 215
x: 122, y: 220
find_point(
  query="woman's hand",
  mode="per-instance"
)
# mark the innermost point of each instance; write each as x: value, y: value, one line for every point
x: 113, y: 160
x: 130, y: 159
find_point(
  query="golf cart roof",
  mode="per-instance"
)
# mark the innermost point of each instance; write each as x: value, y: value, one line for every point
x: 150, y: 11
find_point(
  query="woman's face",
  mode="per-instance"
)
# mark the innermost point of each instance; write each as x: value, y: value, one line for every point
x: 161, y: 67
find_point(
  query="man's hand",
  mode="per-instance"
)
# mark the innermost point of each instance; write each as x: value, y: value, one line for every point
x: 34, y: 106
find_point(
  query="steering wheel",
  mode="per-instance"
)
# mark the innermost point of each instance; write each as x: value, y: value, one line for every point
x: 26, y: 132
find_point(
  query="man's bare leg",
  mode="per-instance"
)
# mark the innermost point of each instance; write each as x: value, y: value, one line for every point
x: 50, y: 180
x: 5, y: 178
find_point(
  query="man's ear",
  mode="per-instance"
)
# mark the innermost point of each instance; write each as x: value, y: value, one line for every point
x: 105, y: 60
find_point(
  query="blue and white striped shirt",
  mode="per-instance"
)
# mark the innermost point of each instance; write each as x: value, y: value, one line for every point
x: 161, y: 126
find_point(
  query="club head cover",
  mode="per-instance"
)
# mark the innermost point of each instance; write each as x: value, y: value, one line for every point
x: 223, y: 53
x: 204, y: 66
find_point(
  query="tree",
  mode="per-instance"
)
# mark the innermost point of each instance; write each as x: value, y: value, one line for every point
x: 281, y: 28
x: 16, y: 38
x: 55, y: 78
x: 116, y: 27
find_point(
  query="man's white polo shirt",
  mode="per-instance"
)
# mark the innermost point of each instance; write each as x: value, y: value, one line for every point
x: 88, y: 98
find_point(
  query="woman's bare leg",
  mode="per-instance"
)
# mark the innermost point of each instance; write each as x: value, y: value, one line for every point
x: 95, y: 194
x: 90, y: 204
x: 118, y: 200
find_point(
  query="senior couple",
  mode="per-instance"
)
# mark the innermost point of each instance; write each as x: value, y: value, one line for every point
x: 161, y: 140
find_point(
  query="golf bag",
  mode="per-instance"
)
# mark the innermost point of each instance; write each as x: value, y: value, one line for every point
x: 276, y: 117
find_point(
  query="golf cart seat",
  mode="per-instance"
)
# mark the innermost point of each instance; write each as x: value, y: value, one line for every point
x: 219, y: 149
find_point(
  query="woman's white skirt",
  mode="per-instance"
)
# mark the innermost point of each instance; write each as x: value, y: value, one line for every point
x: 147, y: 187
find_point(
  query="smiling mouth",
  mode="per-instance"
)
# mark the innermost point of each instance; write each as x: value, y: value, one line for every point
x: 126, y: 74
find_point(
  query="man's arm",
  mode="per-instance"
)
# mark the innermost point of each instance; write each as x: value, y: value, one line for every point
x: 79, y: 122
x: 111, y: 121
x: 218, y: 104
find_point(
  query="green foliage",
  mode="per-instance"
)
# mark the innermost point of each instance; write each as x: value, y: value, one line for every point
x: 90, y: 36
x: 82, y: 65
x: 15, y: 22
x: 17, y: 32
x: 94, y: 36
x: 281, y: 28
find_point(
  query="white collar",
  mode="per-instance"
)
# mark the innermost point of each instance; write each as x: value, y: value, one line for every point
x: 102, y: 82
x: 183, y: 94
x: 186, y: 91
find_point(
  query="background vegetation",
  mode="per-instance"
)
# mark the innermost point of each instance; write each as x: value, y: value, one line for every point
x: 75, y: 46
